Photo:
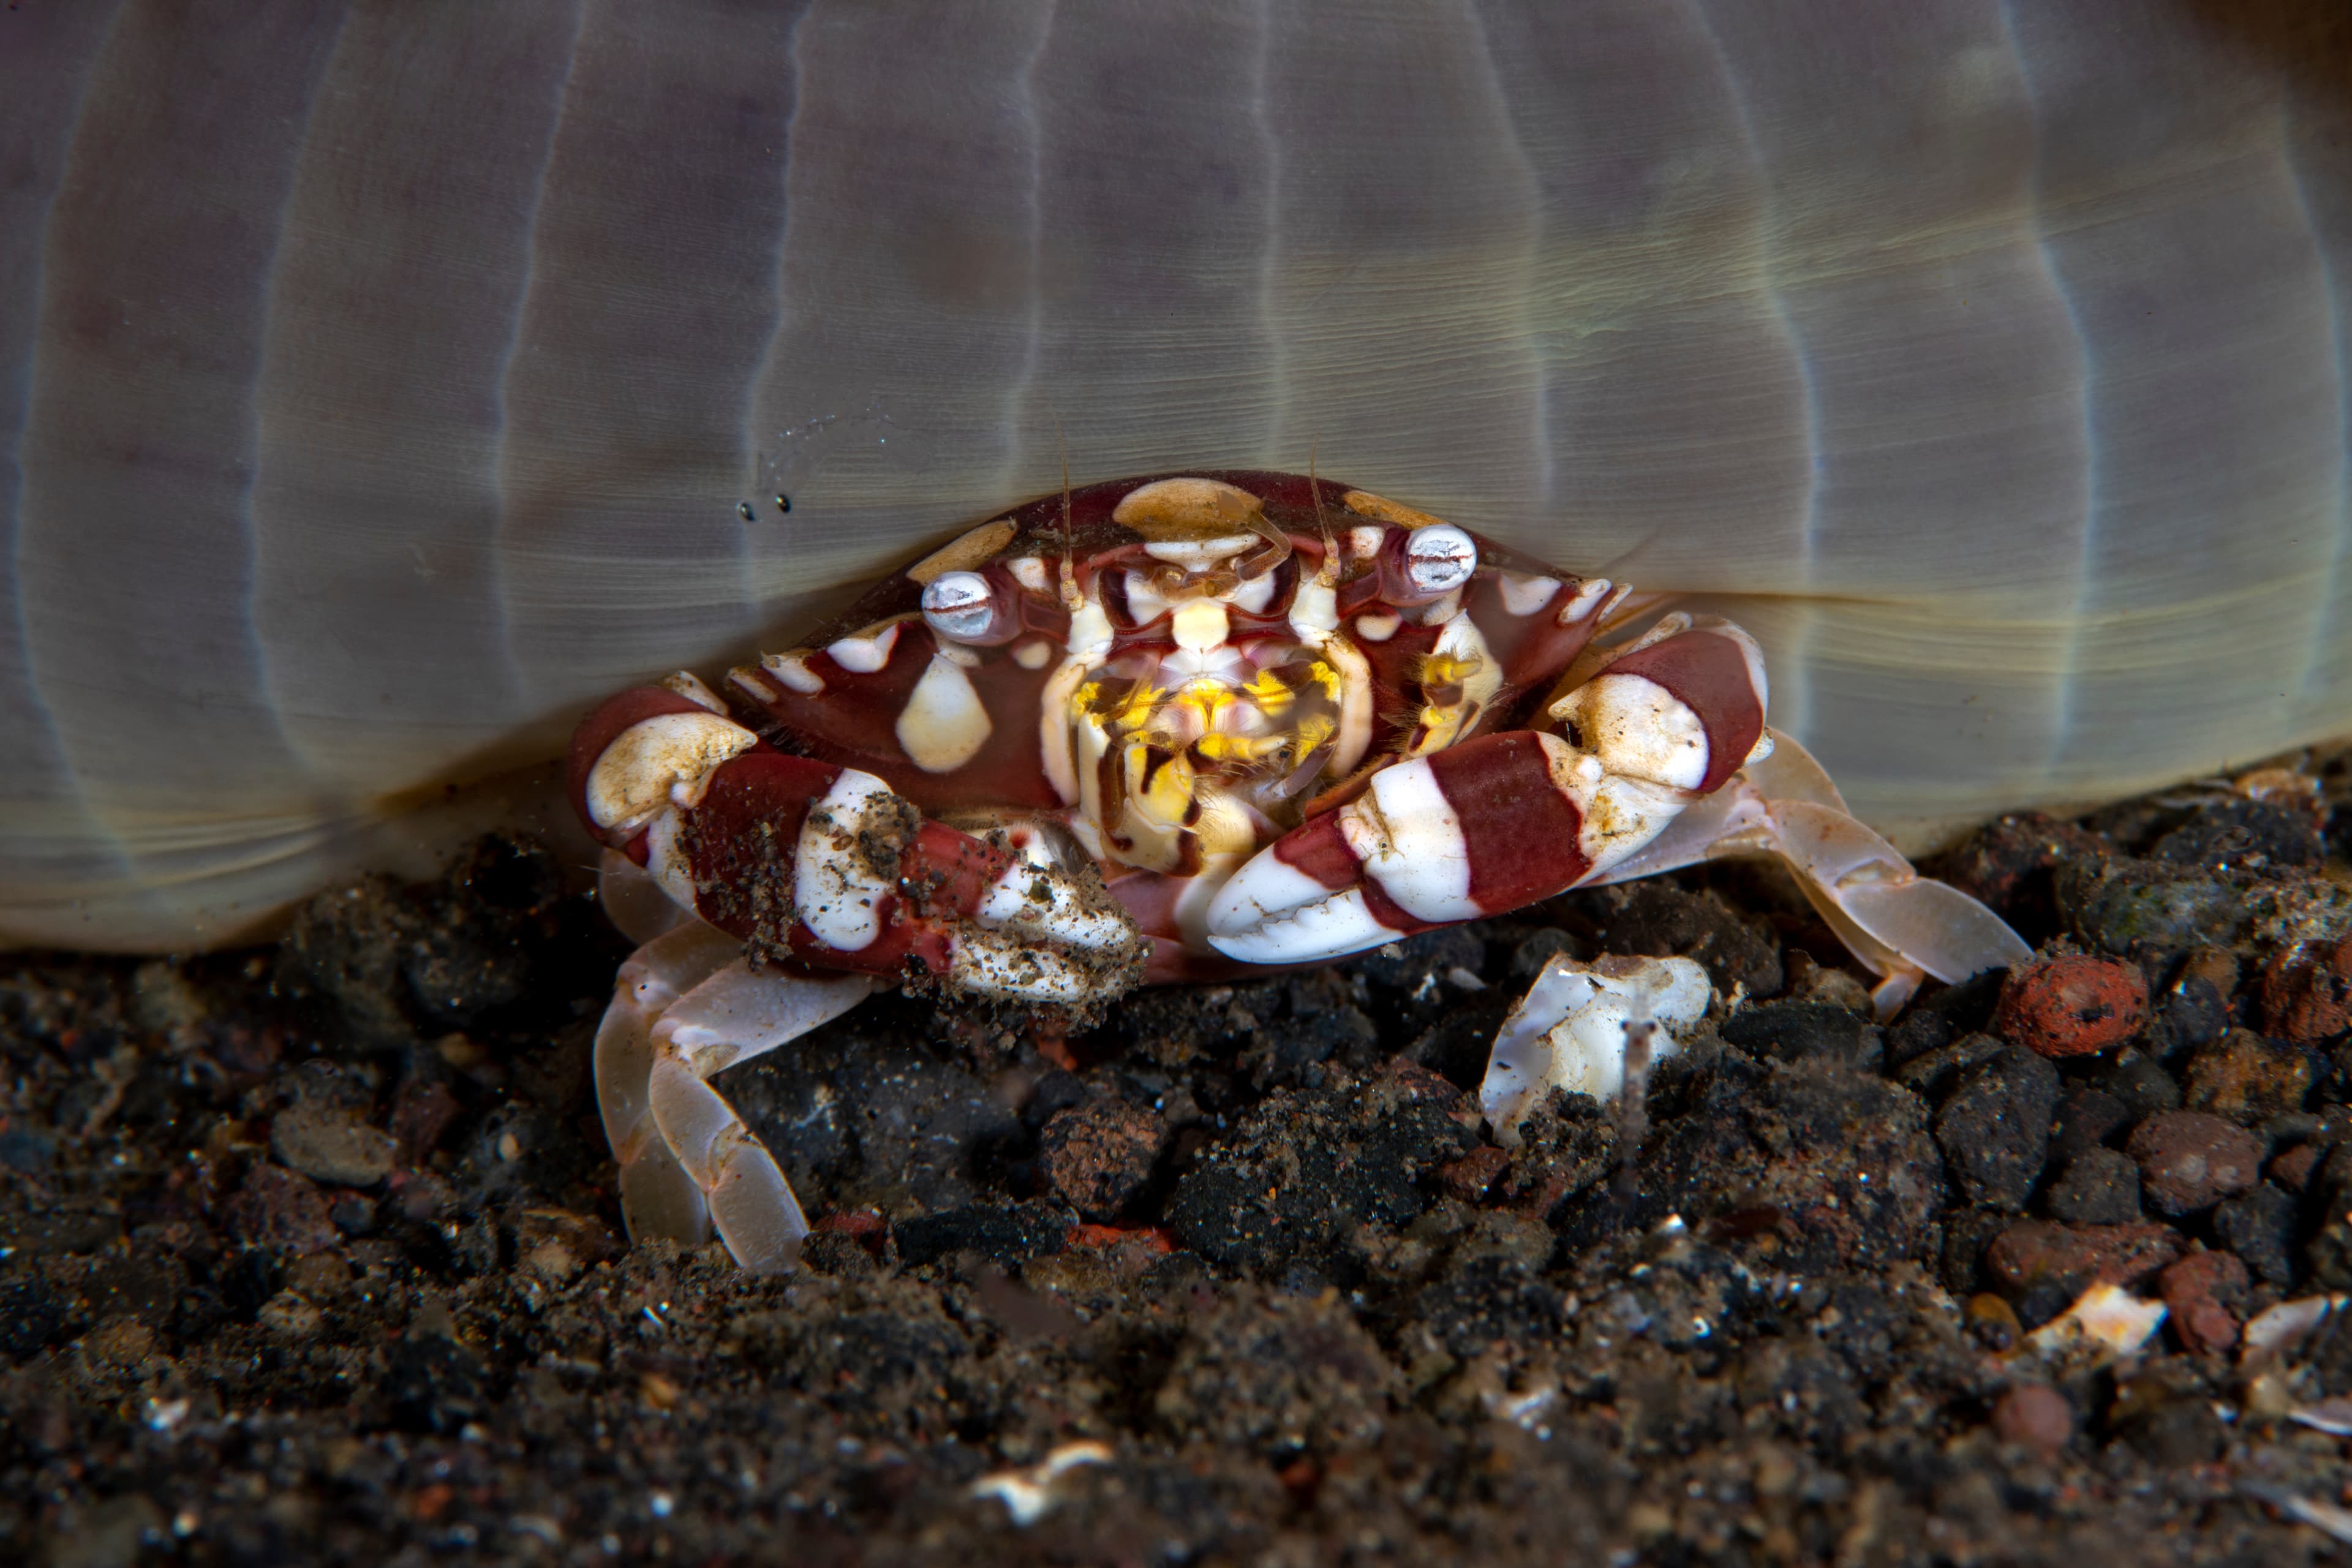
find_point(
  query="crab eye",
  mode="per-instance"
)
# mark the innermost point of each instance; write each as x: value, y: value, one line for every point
x: 962, y: 606
x: 1439, y: 558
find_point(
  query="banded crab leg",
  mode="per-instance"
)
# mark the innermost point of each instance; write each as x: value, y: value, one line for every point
x: 687, y: 1005
x: 811, y: 862
x: 1501, y: 821
x: 1664, y: 761
x: 1902, y: 926
x: 836, y: 886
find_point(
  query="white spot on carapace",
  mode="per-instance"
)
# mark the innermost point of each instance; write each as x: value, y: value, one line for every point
x: 1200, y: 625
x: 944, y: 723
x: 1030, y: 573
x: 865, y: 655
x: 1184, y: 508
x: 793, y: 670
x: 1526, y: 595
x: 1145, y: 604
x: 643, y: 766
x: 1033, y: 654
x: 1377, y: 628
x: 1364, y: 544
x: 835, y: 890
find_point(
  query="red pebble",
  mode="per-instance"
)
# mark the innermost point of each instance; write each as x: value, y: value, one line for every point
x: 2198, y: 1292
x: 1469, y: 1177
x: 2073, y: 1006
x: 864, y: 1226
x: 2035, y: 1415
x: 1150, y: 1238
x: 2190, y: 1161
x: 2292, y: 1169
x: 2307, y: 996
x: 2033, y: 1250
x: 282, y: 1208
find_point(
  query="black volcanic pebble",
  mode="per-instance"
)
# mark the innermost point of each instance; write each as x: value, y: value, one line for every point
x: 1004, y: 1234
x: 1800, y: 1031
x: 2086, y: 1119
x: 1658, y: 920
x: 2187, y: 1014
x: 2244, y: 836
x: 1994, y: 1130
x: 2143, y: 1086
x: 2098, y: 1186
x: 2259, y: 1228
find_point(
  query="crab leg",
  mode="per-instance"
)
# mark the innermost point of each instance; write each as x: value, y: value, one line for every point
x: 687, y: 1005
x: 812, y: 861
x: 1501, y: 821
x: 657, y: 1198
x: 1903, y: 927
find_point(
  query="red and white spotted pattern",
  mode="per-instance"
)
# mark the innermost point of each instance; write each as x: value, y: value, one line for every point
x: 1282, y: 719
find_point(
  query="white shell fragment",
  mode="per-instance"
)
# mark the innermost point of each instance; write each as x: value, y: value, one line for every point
x: 1028, y: 1494
x: 636, y: 773
x: 1570, y: 1030
x: 2107, y: 1321
x: 2278, y: 1330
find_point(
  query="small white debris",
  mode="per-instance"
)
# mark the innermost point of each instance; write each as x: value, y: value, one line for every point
x: 1028, y: 1494
x: 165, y: 1415
x: 2280, y: 1329
x: 2106, y: 1318
x: 1570, y: 1030
x: 1526, y: 1411
x: 2333, y: 1416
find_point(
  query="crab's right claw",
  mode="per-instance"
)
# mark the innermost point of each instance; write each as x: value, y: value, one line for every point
x: 1904, y: 927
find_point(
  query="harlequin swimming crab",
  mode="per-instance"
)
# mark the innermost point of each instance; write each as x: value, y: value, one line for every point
x: 1156, y: 729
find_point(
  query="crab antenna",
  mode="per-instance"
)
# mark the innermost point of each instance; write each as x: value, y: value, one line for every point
x: 1069, y: 571
x: 1322, y: 523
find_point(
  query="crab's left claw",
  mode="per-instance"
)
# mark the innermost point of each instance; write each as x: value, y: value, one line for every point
x: 1903, y: 926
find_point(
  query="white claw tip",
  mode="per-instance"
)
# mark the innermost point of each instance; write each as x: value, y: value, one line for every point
x: 650, y: 762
